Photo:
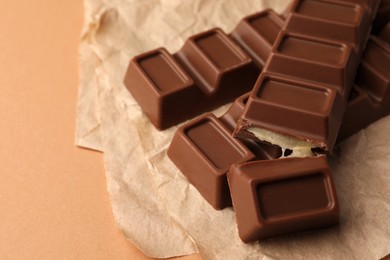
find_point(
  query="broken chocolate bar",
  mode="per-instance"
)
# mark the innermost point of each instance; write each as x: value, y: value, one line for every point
x: 298, y: 104
x: 282, y: 196
x: 210, y: 70
x: 308, y: 67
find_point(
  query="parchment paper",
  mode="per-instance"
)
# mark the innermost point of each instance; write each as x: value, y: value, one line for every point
x: 153, y: 203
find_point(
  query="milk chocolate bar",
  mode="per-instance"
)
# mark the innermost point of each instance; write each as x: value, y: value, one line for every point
x: 369, y: 101
x: 211, y: 69
x: 260, y: 150
x: 317, y: 71
x: 282, y: 196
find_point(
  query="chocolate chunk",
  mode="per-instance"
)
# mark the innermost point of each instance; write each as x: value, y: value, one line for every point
x: 282, y: 196
x: 204, y: 150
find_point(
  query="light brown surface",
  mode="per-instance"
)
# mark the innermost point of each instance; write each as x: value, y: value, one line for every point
x: 54, y: 203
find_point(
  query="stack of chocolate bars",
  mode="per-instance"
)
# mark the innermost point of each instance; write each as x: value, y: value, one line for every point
x: 301, y: 81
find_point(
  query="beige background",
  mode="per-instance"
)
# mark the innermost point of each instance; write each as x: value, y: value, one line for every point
x: 53, y: 198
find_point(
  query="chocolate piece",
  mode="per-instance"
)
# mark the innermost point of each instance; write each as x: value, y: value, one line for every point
x: 257, y: 33
x: 160, y: 85
x: 282, y: 196
x: 313, y: 59
x: 306, y: 110
x: 370, y: 99
x: 196, y: 151
x: 210, y: 70
x: 340, y: 21
x: 371, y: 5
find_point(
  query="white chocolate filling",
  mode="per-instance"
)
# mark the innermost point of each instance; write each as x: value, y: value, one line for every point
x: 298, y: 147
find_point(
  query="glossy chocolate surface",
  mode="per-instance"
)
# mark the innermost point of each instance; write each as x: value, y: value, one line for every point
x: 275, y: 197
x: 370, y: 98
x: 204, y: 149
x: 336, y: 20
x: 196, y: 151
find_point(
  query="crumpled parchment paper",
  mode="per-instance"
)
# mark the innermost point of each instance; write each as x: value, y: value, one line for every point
x: 153, y: 203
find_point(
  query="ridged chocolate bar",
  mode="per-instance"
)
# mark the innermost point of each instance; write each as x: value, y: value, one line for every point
x: 316, y: 69
x: 359, y: 104
x: 211, y: 69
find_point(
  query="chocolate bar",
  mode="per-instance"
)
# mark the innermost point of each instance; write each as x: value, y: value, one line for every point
x: 282, y: 196
x: 352, y: 123
x: 369, y: 101
x: 310, y: 67
x: 211, y: 69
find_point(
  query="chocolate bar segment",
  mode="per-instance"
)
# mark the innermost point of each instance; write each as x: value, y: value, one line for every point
x: 217, y: 65
x: 313, y: 59
x: 282, y: 196
x: 160, y: 84
x: 370, y: 98
x: 371, y: 5
x: 196, y: 151
x: 256, y: 34
x: 338, y: 21
x: 306, y: 110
